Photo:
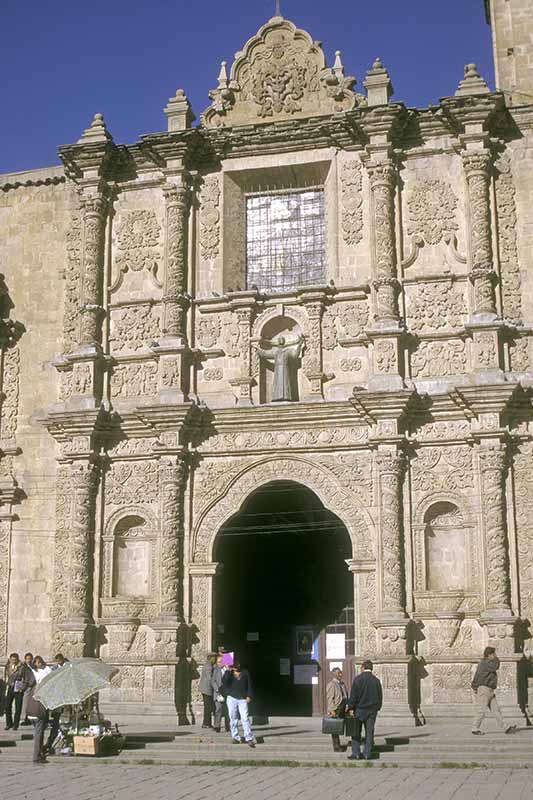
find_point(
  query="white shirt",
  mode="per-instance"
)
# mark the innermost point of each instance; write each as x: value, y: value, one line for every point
x: 41, y: 673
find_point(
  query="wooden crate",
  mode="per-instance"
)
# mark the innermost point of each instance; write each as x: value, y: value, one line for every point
x: 86, y: 745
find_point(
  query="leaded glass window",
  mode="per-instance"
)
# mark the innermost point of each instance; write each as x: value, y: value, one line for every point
x: 285, y: 240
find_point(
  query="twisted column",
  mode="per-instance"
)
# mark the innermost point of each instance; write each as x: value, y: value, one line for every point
x: 174, y: 301
x: 383, y: 184
x: 84, y: 481
x: 477, y: 167
x: 173, y: 476
x: 390, y: 475
x: 493, y: 466
x: 94, y: 215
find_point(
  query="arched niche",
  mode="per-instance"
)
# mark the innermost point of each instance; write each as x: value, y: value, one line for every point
x: 129, y: 557
x: 274, y: 329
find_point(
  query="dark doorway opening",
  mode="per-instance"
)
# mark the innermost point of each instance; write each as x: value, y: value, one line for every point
x: 283, y: 591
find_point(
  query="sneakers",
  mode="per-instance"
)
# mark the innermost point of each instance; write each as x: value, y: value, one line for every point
x: 478, y: 733
x: 510, y: 729
x: 235, y: 741
x: 251, y: 743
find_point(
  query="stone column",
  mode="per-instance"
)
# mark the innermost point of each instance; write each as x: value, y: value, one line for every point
x: 313, y: 351
x: 172, y: 479
x: 94, y: 216
x: 174, y: 300
x: 477, y: 167
x: 498, y: 616
x: 391, y: 467
x: 77, y: 485
x: 383, y: 186
x: 242, y: 304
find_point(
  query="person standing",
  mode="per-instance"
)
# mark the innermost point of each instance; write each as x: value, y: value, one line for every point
x: 221, y: 709
x: 28, y: 660
x: 336, y: 699
x: 207, y: 689
x: 366, y: 699
x: 484, y: 686
x: 18, y: 678
x: 55, y: 715
x: 237, y: 687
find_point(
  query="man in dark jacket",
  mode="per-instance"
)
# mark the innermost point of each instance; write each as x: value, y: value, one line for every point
x: 366, y: 699
x: 237, y: 687
x: 484, y: 685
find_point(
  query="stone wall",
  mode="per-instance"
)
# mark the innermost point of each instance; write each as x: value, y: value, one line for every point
x: 512, y: 34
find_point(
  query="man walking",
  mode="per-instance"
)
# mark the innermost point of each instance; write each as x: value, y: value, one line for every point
x: 366, y: 699
x: 237, y: 687
x: 484, y: 685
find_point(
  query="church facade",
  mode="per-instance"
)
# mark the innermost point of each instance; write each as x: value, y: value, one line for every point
x: 313, y: 287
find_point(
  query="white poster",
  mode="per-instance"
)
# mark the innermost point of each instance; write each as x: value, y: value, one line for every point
x: 304, y: 674
x: 335, y: 645
x: 284, y: 666
x: 335, y: 665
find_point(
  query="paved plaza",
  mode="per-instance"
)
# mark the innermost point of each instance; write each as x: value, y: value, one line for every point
x: 85, y: 780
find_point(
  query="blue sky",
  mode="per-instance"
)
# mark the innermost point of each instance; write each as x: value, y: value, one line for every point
x: 62, y: 61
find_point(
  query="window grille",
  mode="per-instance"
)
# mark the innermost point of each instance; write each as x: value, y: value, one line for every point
x: 285, y: 240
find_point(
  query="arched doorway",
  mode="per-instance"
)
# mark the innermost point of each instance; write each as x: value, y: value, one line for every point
x: 284, y: 598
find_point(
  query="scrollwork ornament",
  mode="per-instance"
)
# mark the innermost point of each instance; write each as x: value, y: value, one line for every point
x: 432, y: 206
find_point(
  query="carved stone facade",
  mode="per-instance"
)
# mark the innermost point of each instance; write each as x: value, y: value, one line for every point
x: 135, y: 418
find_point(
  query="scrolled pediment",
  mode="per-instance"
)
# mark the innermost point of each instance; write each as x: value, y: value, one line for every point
x: 281, y: 73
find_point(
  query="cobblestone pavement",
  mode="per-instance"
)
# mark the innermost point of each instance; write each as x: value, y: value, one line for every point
x: 98, y: 780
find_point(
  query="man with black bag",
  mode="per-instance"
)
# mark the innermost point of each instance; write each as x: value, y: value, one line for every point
x: 336, y: 699
x: 366, y: 699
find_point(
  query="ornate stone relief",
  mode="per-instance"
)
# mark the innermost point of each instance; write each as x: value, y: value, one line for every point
x: 134, y: 327
x: 444, y: 429
x: 208, y: 330
x: 231, y: 337
x: 353, y: 472
x: 368, y: 611
x: 343, y: 321
x: 385, y: 356
x: 509, y: 265
x: 451, y: 683
x: 5, y: 560
x: 10, y: 390
x: 493, y: 465
x: 235, y: 484
x: 352, y: 202
x: 435, y: 306
x: 281, y: 73
x: 213, y: 374
x: 272, y: 439
x: 390, y: 471
x: 134, y: 380
x: 519, y: 352
x: 138, y: 239
x: 485, y: 344
x: 432, y: 210
x: 127, y: 481
x: 350, y: 364
x: 72, y: 283
x: 210, y: 218
x: 439, y: 359
x: 132, y: 447
x: 64, y: 501
x: 438, y: 469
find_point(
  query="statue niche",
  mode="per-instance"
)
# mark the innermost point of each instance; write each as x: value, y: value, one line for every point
x: 279, y: 349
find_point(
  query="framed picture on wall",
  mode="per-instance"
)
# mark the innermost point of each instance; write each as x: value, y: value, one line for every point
x: 304, y: 642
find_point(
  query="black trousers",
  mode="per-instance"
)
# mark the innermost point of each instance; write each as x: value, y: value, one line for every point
x: 55, y: 716
x: 208, y: 709
x: 369, y: 723
x: 17, y: 698
x: 39, y: 726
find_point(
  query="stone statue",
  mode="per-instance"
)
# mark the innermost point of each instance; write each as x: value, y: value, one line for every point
x: 285, y: 357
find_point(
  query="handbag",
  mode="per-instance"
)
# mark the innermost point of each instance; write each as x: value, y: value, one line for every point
x: 334, y: 726
x: 349, y: 726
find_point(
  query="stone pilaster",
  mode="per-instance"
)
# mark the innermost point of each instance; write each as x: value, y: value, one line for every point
x: 390, y: 469
x: 201, y: 606
x: 242, y: 304
x: 313, y: 366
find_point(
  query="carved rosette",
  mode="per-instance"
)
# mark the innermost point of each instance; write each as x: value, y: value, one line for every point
x: 493, y: 466
x: 477, y: 167
x: 390, y: 475
x: 383, y: 185
x: 94, y: 214
x: 174, y: 301
x: 172, y: 485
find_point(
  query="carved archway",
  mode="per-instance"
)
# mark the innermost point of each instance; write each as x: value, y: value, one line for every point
x: 315, y: 477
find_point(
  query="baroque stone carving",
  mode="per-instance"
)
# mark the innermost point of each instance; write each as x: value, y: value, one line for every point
x: 84, y: 477
x: 519, y: 353
x: 350, y: 364
x: 127, y: 481
x: 10, y: 391
x: 174, y: 302
x: 385, y: 354
x: 383, y: 185
x: 72, y: 283
x: 444, y: 429
x: 432, y: 206
x: 477, y: 166
x: 213, y: 374
x: 280, y: 73
x: 439, y: 358
x: 493, y: 465
x: 134, y: 380
x: 451, y: 683
x: 390, y: 472
x: 208, y: 329
x: 133, y: 327
x: 352, y: 202
x: 172, y: 482
x: 259, y: 440
x: 509, y: 266
x: 434, y: 306
x: 5, y: 563
x: 210, y: 218
x: 138, y: 235
x: 94, y: 214
x: 446, y: 468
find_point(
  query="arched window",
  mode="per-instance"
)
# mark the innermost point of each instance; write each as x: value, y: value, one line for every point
x: 132, y: 558
x: 445, y: 548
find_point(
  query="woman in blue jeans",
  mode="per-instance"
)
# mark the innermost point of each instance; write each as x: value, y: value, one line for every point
x: 237, y: 687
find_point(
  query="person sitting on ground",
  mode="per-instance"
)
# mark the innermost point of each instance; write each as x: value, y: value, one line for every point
x: 336, y: 699
x: 237, y: 687
x: 484, y: 686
